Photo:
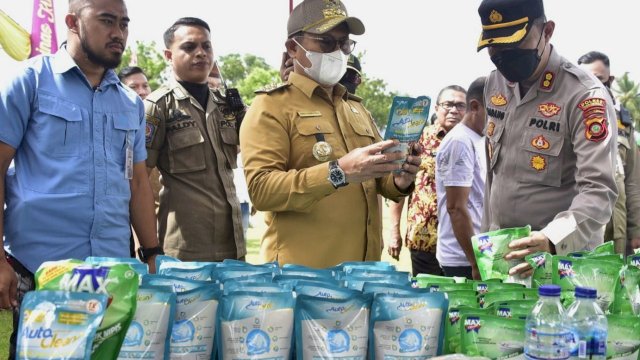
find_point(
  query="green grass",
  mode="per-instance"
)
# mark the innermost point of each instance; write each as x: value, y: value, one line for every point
x: 6, y: 327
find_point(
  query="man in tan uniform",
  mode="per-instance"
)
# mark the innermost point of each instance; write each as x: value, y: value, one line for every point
x: 312, y: 154
x: 552, y: 145
x: 625, y: 223
x: 192, y: 138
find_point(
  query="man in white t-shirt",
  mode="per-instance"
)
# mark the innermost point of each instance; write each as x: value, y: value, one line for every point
x: 460, y: 179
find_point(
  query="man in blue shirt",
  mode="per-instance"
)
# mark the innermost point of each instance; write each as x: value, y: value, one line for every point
x: 76, y: 135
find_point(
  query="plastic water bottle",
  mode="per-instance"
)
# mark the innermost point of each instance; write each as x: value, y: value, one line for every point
x: 546, y: 331
x: 588, y: 324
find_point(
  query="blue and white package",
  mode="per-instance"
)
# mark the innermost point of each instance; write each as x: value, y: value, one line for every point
x: 178, y: 284
x: 385, y: 288
x: 192, y: 270
x: 149, y: 334
x: 223, y: 273
x: 332, y: 328
x: 160, y: 259
x: 255, y: 325
x: 234, y: 262
x: 322, y: 273
x: 407, y: 326
x: 323, y: 290
x: 59, y: 324
x: 294, y: 279
x: 266, y: 278
x: 356, y: 281
x: 233, y: 286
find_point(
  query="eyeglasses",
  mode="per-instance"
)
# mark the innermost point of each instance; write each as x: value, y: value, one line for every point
x: 449, y: 105
x: 328, y: 44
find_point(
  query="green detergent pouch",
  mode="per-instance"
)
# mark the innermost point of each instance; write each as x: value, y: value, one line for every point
x: 192, y: 270
x: 607, y: 248
x: 222, y: 273
x: 422, y: 281
x: 254, y: 325
x: 452, y: 343
x: 407, y: 326
x: 491, y: 247
x: 586, y: 272
x: 332, y: 328
x: 59, y: 324
x: 233, y: 286
x: 483, y: 287
x: 542, y: 265
x: 292, y: 280
x: 623, y: 337
x: 118, y: 282
x: 459, y: 298
x: 518, y: 309
x: 503, y: 295
x: 380, y: 288
x: 139, y: 267
x: 492, y: 336
x: 530, y: 294
x: 439, y: 287
x: 634, y: 260
x: 578, y: 254
x: 627, y: 292
x: 323, y: 290
x: 149, y: 334
x: 616, y: 258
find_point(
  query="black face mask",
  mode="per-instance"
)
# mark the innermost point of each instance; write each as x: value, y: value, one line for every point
x: 517, y: 64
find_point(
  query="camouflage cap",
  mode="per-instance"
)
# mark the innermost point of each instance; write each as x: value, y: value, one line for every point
x: 320, y: 16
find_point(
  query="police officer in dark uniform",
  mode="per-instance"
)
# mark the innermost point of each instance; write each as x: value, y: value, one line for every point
x: 624, y: 226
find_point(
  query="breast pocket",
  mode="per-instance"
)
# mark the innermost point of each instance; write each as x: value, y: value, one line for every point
x: 60, y: 126
x: 122, y: 128
x: 310, y: 131
x: 186, y: 150
x: 539, y: 160
x: 230, y: 145
x: 363, y: 133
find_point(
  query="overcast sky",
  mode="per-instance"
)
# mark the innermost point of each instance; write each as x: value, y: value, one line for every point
x: 416, y: 46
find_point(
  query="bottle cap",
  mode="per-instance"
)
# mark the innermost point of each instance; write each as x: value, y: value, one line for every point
x: 549, y: 290
x: 586, y: 293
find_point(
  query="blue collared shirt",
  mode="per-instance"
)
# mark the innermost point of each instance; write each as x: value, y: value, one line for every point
x: 67, y: 195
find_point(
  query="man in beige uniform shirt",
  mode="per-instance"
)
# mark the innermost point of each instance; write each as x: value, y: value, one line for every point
x: 312, y: 153
x: 192, y: 138
x: 552, y: 145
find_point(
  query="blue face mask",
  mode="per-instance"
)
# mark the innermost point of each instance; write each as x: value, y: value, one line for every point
x: 517, y: 64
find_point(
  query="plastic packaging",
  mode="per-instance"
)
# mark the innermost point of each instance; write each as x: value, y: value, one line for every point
x: 491, y: 247
x: 623, y: 340
x: 546, y: 331
x: 491, y: 336
x: 588, y: 325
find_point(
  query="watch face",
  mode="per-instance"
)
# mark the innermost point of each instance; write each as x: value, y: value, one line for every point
x: 337, y: 177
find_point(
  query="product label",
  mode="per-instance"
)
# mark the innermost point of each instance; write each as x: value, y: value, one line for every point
x: 147, y: 333
x: 266, y: 336
x: 414, y: 335
x: 337, y: 339
x: 193, y: 329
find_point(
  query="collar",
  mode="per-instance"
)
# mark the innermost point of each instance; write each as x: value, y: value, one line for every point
x: 436, y: 130
x: 63, y: 62
x: 308, y: 86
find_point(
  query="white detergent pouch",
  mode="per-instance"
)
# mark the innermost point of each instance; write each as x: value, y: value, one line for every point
x: 233, y: 286
x: 382, y: 288
x: 149, y: 334
x: 255, y: 325
x: 294, y: 279
x: 265, y: 278
x: 223, y: 273
x: 407, y: 326
x: 178, y: 284
x: 194, y: 327
x: 332, y: 328
x: 323, y: 290
x: 321, y: 273
x: 192, y: 270
x: 160, y: 259
x: 138, y: 266
x: 59, y: 324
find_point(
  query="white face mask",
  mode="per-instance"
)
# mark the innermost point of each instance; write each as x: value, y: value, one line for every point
x: 326, y: 68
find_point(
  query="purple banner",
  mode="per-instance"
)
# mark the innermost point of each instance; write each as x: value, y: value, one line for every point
x: 43, y: 28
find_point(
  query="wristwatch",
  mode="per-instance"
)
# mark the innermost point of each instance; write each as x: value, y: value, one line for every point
x: 337, y: 177
x: 145, y: 254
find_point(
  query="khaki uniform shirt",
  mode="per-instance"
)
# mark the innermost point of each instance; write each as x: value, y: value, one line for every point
x: 552, y: 156
x: 199, y: 216
x: 625, y: 221
x: 310, y: 222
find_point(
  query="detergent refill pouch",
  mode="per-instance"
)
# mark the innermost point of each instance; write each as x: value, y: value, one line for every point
x: 323, y: 290
x: 149, y: 334
x: 407, y: 325
x: 59, y: 324
x: 595, y: 273
x: 119, y: 282
x: 382, y: 288
x: 452, y: 326
x: 542, y: 265
x: 623, y: 338
x: 491, y: 247
x: 332, y: 328
x: 139, y: 267
x: 492, y: 336
x: 627, y: 294
x: 255, y: 325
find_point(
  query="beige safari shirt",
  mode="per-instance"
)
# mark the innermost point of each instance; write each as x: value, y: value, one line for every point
x: 199, y: 217
x: 309, y: 222
x: 551, y: 156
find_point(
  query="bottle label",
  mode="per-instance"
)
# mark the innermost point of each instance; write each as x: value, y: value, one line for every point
x: 549, y: 346
x: 584, y: 347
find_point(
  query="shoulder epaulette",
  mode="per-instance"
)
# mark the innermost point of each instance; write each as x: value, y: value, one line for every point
x: 581, y: 74
x: 272, y: 88
x: 354, y: 97
x: 158, y: 93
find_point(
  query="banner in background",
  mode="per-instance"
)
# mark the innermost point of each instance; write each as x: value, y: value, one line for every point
x: 43, y: 28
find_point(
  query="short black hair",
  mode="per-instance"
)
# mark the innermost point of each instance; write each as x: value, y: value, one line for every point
x: 128, y: 71
x: 185, y: 21
x: 476, y: 91
x: 593, y: 56
x: 457, y: 88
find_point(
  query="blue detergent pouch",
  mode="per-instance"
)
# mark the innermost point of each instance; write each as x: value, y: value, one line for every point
x: 223, y: 273
x: 323, y: 273
x: 332, y: 328
x: 234, y: 262
x: 149, y: 334
x: 383, y: 288
x: 138, y: 266
x: 323, y: 290
x: 371, y: 265
x: 255, y: 325
x: 233, y: 286
x: 160, y: 259
x: 262, y: 278
x: 294, y: 279
x: 357, y: 281
x: 59, y: 324
x: 178, y: 284
x: 407, y: 325
x: 192, y: 270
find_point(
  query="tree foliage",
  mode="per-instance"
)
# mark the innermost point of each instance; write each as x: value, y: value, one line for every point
x: 376, y: 98
x: 248, y: 73
x: 149, y: 60
x: 627, y: 91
